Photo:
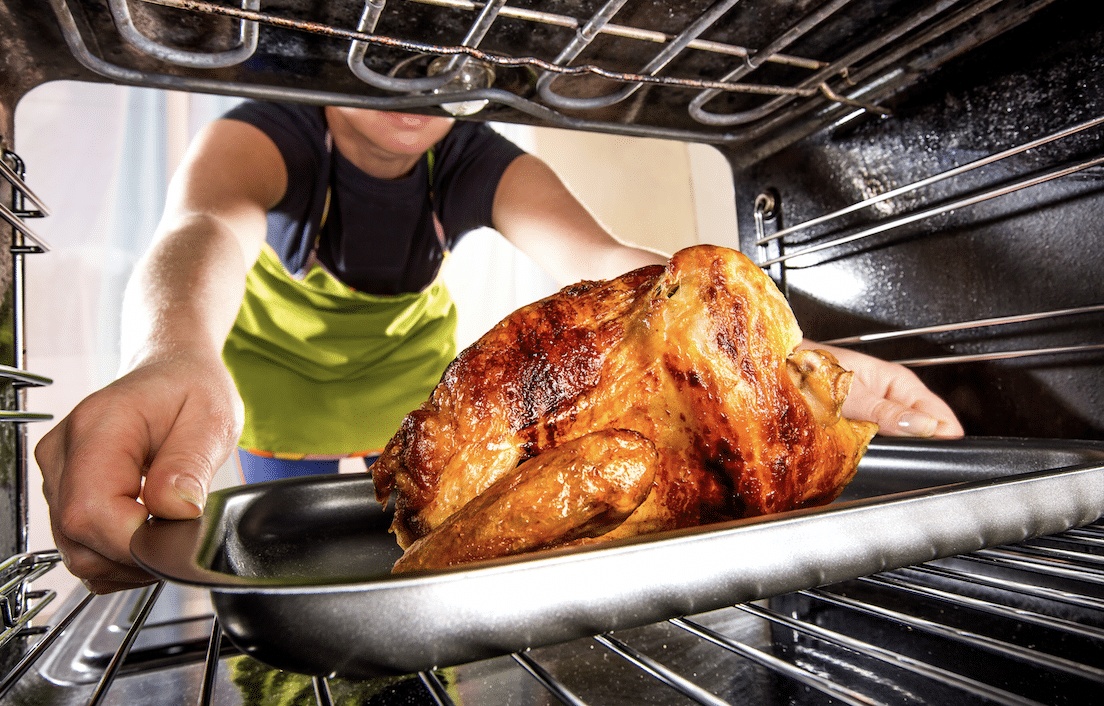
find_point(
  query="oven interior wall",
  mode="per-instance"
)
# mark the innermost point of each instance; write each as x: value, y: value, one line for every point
x: 1036, y: 249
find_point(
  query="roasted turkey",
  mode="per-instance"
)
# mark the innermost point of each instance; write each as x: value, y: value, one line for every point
x: 669, y: 397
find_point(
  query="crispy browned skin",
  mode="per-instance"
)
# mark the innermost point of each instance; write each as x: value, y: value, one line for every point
x: 578, y: 490
x: 696, y: 357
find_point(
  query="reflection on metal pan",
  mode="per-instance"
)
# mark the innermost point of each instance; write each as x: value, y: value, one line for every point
x: 300, y: 569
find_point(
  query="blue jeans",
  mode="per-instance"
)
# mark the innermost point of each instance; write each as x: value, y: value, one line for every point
x: 255, y: 469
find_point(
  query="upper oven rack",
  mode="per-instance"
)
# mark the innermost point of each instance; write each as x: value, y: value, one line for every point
x: 691, y: 80
x: 800, y: 245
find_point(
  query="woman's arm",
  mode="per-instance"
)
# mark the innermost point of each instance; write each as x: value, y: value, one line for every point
x: 150, y: 442
x: 535, y: 211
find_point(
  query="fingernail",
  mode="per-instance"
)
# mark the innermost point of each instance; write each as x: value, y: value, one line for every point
x: 917, y: 424
x: 191, y: 492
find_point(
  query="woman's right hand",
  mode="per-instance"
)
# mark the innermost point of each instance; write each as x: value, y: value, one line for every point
x: 147, y: 444
x: 150, y: 442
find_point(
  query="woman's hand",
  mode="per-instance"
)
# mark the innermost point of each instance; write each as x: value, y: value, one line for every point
x: 892, y: 396
x: 150, y: 442
x: 147, y: 444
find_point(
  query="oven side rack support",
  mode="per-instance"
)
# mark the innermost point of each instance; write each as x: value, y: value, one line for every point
x: 774, y: 257
x: 17, y: 612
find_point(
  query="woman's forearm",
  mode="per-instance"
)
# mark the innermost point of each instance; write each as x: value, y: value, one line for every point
x: 185, y: 292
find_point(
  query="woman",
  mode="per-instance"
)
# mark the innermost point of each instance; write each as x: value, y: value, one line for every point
x: 259, y: 274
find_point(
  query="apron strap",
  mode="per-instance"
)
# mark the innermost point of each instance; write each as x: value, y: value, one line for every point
x: 437, y: 227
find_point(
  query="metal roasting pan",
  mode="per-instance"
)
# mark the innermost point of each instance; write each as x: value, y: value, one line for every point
x: 299, y: 570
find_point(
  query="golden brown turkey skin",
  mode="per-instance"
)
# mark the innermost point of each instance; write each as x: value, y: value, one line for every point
x: 575, y: 491
x: 697, y: 357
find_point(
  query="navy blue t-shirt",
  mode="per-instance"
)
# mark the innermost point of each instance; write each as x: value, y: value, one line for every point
x: 379, y: 236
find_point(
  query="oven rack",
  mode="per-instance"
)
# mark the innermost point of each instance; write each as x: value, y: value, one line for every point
x: 1051, y: 589
x: 773, y: 108
x: 793, y: 246
x: 25, y: 204
x: 17, y: 572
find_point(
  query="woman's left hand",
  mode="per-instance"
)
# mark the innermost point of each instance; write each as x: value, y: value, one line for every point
x: 892, y: 396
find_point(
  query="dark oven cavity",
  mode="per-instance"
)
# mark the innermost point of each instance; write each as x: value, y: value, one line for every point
x: 922, y: 179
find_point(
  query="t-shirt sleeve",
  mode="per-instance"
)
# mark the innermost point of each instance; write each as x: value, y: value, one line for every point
x: 298, y: 131
x: 472, y: 160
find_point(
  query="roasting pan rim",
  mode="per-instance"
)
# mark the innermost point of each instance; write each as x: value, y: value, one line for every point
x: 412, y: 623
x: 152, y: 542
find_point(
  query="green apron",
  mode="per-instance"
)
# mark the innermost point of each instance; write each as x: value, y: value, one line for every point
x: 328, y: 372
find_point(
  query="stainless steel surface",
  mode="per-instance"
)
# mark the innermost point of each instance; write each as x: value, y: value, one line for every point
x: 300, y: 569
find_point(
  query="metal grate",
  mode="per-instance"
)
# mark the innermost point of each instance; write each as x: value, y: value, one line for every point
x: 820, y: 238
x: 722, y: 72
x: 1020, y: 624
x: 18, y: 605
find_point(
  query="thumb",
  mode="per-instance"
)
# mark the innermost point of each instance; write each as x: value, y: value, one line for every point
x: 176, y: 490
x: 179, y: 478
x: 195, y: 443
x: 897, y: 419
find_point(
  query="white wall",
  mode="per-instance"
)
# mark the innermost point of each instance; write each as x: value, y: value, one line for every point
x: 659, y: 194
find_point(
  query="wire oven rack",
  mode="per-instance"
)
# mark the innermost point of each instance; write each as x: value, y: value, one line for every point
x: 1029, y: 618
x: 686, y: 76
x: 817, y: 236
